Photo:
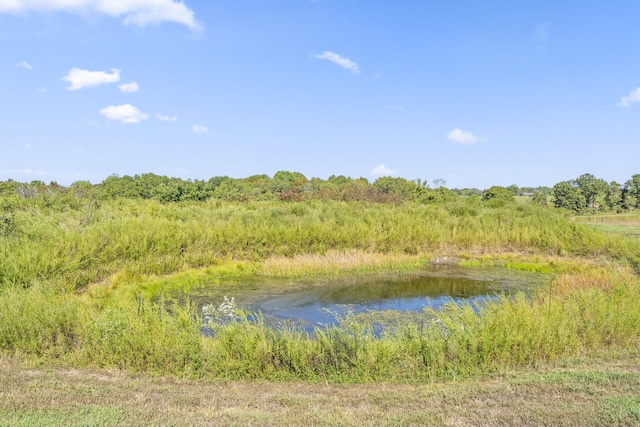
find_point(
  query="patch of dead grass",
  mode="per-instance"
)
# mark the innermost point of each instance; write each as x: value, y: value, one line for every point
x: 337, y: 261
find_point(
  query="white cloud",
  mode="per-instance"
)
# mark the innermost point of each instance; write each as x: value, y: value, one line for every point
x: 129, y: 87
x: 345, y: 63
x: 81, y: 79
x: 199, y: 130
x: 126, y: 113
x: 23, y: 64
x: 632, y: 98
x: 394, y: 107
x: 27, y: 146
x: 382, y: 170
x: 462, y: 137
x: 162, y: 118
x: 135, y: 12
x: 42, y: 89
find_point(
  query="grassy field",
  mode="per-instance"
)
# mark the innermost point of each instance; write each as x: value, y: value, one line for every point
x: 81, y: 290
x: 602, y: 390
x: 627, y: 225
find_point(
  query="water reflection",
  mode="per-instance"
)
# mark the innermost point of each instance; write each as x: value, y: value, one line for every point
x: 313, y: 304
x: 403, y: 294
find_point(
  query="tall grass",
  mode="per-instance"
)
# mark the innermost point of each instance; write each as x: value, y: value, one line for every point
x: 334, y: 262
x: 40, y: 322
x: 457, y: 341
x: 144, y: 336
x: 578, y: 315
x: 75, y: 248
x: 50, y: 252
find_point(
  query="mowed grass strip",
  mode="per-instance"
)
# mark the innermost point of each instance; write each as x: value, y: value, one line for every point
x: 601, y: 390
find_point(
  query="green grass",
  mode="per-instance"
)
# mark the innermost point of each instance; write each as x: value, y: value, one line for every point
x: 62, y: 244
x: 626, y: 218
x: 82, y: 287
x: 625, y: 225
x: 596, y: 391
x: 582, y: 314
x: 626, y: 230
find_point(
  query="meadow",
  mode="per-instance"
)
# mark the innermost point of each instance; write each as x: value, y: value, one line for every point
x: 82, y: 283
x: 618, y: 224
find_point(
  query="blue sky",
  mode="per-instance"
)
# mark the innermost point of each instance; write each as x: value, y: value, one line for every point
x: 475, y: 93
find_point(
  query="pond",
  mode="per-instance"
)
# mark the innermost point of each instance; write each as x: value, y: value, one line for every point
x: 317, y: 303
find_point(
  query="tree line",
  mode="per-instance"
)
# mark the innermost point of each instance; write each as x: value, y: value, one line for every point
x: 581, y: 195
x: 588, y: 194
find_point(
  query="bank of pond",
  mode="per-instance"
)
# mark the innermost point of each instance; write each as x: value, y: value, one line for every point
x: 440, y: 322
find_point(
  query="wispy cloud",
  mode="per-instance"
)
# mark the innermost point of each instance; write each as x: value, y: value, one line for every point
x: 125, y: 113
x: 199, y: 130
x: 134, y: 12
x: 26, y: 171
x: 462, y: 137
x: 162, y: 118
x: 543, y: 31
x: 394, y: 107
x: 80, y: 79
x: 632, y: 98
x: 24, y: 64
x: 382, y: 170
x: 129, y: 87
x: 90, y: 123
x: 343, y: 62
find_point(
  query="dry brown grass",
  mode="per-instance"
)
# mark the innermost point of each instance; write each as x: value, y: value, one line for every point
x: 334, y: 262
x: 603, y: 390
x: 601, y: 278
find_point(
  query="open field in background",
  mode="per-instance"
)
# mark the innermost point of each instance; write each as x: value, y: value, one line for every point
x: 627, y: 225
x: 602, y: 390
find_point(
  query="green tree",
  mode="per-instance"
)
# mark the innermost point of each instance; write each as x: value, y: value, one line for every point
x: 287, y: 181
x: 539, y: 198
x: 8, y: 188
x: 231, y: 190
x: 437, y: 195
x: 115, y: 186
x: 498, y: 195
x: 591, y: 187
x: 399, y: 187
x: 613, y: 197
x: 514, y: 189
x: 633, y: 191
x: 568, y: 196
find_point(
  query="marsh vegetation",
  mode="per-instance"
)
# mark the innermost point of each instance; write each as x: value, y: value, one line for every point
x: 93, y: 281
x: 84, y: 281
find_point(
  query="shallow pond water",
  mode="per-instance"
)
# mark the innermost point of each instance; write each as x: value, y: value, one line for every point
x: 316, y: 303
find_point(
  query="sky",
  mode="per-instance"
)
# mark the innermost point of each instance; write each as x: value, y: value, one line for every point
x: 475, y: 93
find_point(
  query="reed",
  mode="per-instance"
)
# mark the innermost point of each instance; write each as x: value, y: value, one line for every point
x: 335, y: 262
x: 40, y: 322
x: 579, y: 314
x: 65, y: 245
x: 76, y: 282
